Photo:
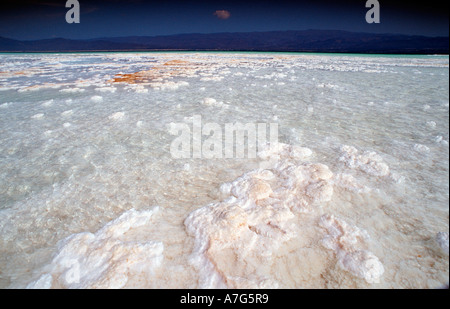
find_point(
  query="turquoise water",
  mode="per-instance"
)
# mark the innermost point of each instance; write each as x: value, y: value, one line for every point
x: 246, y: 52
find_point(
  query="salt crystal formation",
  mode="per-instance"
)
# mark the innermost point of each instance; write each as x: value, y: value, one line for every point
x: 369, y: 162
x: 349, y: 183
x: 349, y: 244
x: 103, y: 260
x: 233, y: 237
x: 117, y: 116
x: 211, y: 102
x: 442, y: 241
x: 38, y: 116
x: 97, y: 99
x: 421, y: 148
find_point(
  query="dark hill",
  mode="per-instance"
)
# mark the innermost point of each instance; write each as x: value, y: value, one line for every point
x: 301, y: 41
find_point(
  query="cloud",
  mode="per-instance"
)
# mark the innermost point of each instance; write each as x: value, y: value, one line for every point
x: 222, y: 14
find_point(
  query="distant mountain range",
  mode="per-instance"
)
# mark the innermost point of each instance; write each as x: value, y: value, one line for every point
x: 326, y: 41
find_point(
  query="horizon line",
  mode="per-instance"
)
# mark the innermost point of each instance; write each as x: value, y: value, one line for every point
x: 230, y: 32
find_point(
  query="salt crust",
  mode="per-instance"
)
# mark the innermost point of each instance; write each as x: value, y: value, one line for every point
x: 366, y: 162
x: 106, y: 89
x: 72, y: 90
x: 117, y: 116
x: 421, y: 148
x: 104, y: 259
x: 47, y: 103
x: 258, y: 215
x: 97, y: 99
x: 349, y: 242
x: 212, y: 102
x: 369, y: 162
x: 38, y: 116
x: 442, y: 241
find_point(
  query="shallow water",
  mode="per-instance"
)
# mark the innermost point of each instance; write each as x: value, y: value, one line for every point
x: 354, y: 196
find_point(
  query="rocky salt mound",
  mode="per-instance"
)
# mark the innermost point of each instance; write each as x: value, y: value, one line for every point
x: 236, y: 239
x: 104, y: 260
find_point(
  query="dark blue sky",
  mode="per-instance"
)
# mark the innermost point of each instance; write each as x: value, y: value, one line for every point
x: 33, y: 19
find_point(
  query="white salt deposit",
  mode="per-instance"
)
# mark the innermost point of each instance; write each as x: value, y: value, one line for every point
x: 421, y: 148
x: 117, y: 116
x: 38, y: 116
x: 106, y: 89
x: 211, y: 102
x: 369, y: 162
x: 443, y: 242
x: 440, y: 140
x: 256, y: 218
x: 72, y: 90
x: 67, y: 113
x: 431, y: 124
x: 97, y: 99
x: 212, y: 78
x: 349, y: 244
x: 169, y: 85
x: 348, y: 182
x: 103, y: 260
x: 137, y: 88
x: 48, y: 103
